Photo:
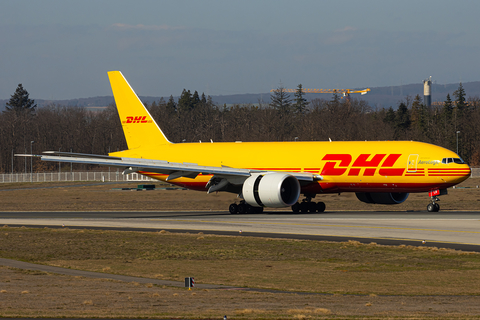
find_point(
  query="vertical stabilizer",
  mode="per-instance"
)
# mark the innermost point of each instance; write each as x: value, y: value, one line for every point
x: 138, y: 125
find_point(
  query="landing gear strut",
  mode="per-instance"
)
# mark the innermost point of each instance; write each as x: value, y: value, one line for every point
x: 307, y: 205
x: 243, y: 208
x: 434, y: 206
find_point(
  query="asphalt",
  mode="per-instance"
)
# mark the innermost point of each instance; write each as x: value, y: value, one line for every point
x: 454, y: 230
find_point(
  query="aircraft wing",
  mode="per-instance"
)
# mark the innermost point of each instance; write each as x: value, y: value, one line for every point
x: 173, y: 169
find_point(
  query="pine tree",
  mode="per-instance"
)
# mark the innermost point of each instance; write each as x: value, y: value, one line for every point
x: 402, y: 119
x: 447, y: 108
x: 195, y: 99
x: 185, y: 102
x: 301, y: 103
x: 210, y: 103
x: 418, y: 114
x: 334, y: 104
x: 20, y: 103
x: 335, y: 98
x: 459, y: 95
x: 280, y: 100
x: 171, y: 105
x: 21, y: 112
x: 389, y: 116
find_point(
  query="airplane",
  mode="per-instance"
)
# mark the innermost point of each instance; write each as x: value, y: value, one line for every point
x: 275, y: 174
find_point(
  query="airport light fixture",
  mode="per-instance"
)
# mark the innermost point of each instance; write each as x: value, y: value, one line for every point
x: 31, y: 160
x: 457, y: 141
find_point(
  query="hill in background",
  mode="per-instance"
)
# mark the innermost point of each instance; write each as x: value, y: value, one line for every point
x: 378, y: 97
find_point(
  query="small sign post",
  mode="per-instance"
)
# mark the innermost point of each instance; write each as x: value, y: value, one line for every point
x: 189, y: 283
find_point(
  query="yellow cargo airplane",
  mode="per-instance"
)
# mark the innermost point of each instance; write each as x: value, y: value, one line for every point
x: 275, y: 174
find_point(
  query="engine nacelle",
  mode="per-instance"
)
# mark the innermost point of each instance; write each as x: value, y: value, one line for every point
x: 271, y: 190
x: 382, y: 197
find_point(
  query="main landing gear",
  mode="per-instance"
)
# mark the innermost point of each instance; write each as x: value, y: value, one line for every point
x: 244, y: 207
x: 307, y: 205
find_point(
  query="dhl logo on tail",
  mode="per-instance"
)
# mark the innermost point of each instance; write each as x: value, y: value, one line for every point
x: 138, y: 119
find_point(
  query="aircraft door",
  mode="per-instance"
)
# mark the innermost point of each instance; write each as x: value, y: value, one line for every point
x: 412, y: 163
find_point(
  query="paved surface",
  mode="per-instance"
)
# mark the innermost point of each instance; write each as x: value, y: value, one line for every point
x: 411, y: 227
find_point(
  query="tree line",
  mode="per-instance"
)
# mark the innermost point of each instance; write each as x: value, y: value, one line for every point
x: 194, y: 117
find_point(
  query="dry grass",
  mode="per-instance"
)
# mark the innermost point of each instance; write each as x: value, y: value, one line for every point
x: 309, y: 311
x: 75, y: 197
x: 70, y: 297
x: 279, y: 264
x: 99, y: 196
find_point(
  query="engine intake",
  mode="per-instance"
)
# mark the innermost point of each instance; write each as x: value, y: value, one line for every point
x: 271, y: 190
x: 382, y: 197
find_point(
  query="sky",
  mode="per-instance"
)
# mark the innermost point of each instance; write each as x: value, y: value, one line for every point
x: 64, y: 49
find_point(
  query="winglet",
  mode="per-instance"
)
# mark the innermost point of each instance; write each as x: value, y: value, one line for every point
x: 138, y: 125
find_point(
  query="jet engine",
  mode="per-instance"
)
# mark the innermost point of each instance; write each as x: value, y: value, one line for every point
x: 271, y: 190
x: 382, y: 197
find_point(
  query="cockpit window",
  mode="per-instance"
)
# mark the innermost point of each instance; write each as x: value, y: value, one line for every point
x: 454, y: 160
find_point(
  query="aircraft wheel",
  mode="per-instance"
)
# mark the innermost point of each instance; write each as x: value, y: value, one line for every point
x: 304, y: 207
x: 296, y: 208
x: 431, y: 207
x: 233, y: 208
x: 258, y: 209
x: 312, y: 207
x: 437, y: 207
x: 242, y: 208
x: 321, y: 206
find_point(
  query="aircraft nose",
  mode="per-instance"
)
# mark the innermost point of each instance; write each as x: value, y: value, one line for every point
x: 457, y: 174
x: 464, y: 172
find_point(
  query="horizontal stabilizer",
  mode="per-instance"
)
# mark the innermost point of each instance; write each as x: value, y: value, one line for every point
x: 79, y: 155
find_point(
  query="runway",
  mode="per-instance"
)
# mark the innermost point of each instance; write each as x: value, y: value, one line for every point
x: 451, y: 229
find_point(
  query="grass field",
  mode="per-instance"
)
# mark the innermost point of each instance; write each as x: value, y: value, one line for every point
x: 80, y: 196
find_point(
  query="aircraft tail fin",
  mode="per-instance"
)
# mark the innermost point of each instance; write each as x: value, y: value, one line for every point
x: 139, y: 127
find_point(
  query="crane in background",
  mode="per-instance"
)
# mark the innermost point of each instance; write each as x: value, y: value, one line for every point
x: 343, y: 92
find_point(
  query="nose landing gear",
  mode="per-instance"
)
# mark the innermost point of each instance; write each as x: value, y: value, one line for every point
x: 434, y: 206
